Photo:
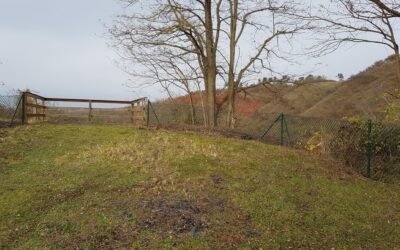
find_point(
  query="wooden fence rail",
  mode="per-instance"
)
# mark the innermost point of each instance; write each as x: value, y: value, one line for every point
x: 34, y: 108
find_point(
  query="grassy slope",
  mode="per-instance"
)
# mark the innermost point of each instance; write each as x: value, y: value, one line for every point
x: 295, y: 100
x: 363, y: 94
x: 103, y: 187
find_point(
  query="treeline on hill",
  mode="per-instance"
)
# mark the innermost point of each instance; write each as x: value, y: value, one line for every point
x: 286, y: 79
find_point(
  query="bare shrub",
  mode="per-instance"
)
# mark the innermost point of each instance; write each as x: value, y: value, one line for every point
x: 350, y: 145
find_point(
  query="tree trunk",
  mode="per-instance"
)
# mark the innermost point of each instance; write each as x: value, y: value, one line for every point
x: 210, y: 96
x: 231, y: 74
x: 206, y: 108
x: 397, y: 54
x: 192, y: 109
x: 201, y: 93
x: 211, y: 69
x: 231, y: 108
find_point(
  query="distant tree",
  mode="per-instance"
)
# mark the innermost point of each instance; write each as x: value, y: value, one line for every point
x: 285, y: 79
x: 340, y: 76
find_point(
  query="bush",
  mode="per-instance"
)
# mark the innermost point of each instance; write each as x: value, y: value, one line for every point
x: 351, y: 142
x: 392, y: 110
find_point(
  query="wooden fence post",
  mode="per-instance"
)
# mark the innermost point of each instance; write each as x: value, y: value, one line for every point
x: 90, y: 110
x: 133, y: 113
x: 24, y: 116
x: 43, y: 110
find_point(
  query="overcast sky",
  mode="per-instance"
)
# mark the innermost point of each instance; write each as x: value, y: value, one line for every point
x: 57, y: 48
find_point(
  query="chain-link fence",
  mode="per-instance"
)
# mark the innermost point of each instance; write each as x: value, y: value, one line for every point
x: 78, y: 113
x: 10, y: 110
x: 372, y: 148
x: 171, y: 114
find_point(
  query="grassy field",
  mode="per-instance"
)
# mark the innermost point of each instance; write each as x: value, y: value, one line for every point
x: 99, y: 187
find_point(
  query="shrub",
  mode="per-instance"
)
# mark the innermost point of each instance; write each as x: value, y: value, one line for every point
x: 392, y: 110
x: 351, y: 142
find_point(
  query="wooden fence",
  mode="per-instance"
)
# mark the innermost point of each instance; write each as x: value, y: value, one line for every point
x: 35, y: 108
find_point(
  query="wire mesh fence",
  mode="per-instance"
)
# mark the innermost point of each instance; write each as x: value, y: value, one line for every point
x: 10, y: 110
x: 372, y: 148
x: 78, y: 113
x: 171, y: 114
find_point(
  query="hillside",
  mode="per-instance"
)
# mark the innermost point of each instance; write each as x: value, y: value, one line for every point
x: 99, y: 187
x: 360, y: 95
x: 294, y: 100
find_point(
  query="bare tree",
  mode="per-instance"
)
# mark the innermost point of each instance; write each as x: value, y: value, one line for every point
x: 266, y: 21
x: 173, y: 71
x: 391, y: 6
x: 198, y: 31
x: 184, y: 28
x: 357, y: 21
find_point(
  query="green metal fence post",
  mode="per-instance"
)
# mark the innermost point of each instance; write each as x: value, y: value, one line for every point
x: 282, y: 127
x: 154, y: 112
x: 369, y: 149
x: 287, y: 132
x: 270, y: 127
x: 16, y: 110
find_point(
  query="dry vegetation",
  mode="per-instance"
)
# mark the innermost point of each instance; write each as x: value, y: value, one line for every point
x: 362, y: 94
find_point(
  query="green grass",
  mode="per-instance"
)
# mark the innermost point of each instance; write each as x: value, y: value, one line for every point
x: 112, y: 187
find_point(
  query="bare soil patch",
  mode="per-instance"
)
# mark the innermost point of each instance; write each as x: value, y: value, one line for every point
x: 180, y: 216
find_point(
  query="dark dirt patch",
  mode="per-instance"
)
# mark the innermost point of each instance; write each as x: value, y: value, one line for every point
x: 179, y: 216
x: 216, y: 179
x: 222, y: 223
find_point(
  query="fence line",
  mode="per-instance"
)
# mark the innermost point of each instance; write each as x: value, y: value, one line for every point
x: 10, y: 110
x: 370, y: 147
x: 32, y: 108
